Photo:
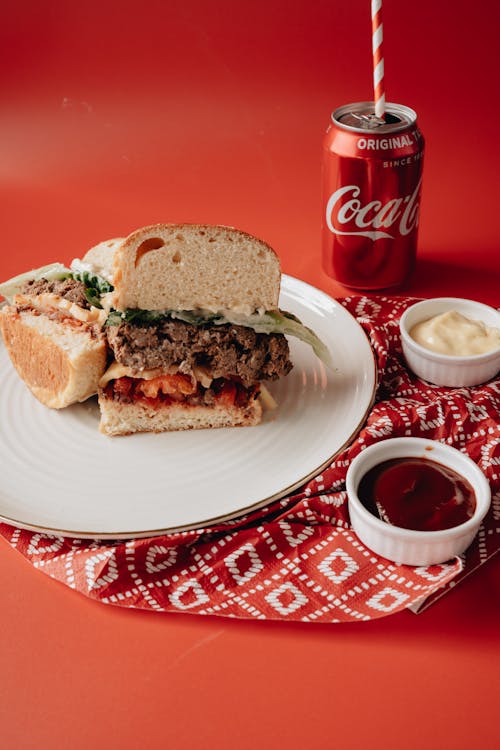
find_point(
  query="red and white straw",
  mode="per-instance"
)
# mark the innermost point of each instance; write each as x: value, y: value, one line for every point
x: 378, y: 59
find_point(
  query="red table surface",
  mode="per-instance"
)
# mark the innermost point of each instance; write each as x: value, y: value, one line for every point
x: 117, y: 115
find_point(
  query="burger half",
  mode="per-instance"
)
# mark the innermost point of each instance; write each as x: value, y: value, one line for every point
x: 194, y: 331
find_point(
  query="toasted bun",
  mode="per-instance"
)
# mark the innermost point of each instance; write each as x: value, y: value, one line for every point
x: 125, y: 419
x: 100, y: 258
x: 190, y: 266
x: 60, y: 363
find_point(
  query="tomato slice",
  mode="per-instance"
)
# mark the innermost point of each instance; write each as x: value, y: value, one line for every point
x: 123, y: 387
x: 166, y: 389
x: 227, y: 394
x: 167, y: 384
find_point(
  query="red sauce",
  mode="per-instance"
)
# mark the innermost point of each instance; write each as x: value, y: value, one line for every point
x: 415, y: 493
x: 168, y: 389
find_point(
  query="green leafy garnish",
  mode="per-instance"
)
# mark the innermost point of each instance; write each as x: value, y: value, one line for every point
x: 280, y: 321
x: 95, y: 286
x: 144, y: 317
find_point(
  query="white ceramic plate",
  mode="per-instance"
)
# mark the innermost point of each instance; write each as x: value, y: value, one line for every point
x: 60, y: 475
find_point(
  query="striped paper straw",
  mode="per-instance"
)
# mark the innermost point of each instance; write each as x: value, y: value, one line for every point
x: 378, y: 59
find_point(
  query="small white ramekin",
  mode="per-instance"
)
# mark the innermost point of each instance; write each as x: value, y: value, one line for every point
x: 406, y: 546
x: 444, y: 369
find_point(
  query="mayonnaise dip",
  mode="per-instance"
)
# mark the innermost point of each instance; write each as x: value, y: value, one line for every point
x: 454, y: 334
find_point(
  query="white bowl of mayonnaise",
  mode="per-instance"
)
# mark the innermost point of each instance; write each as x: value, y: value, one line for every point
x: 451, y: 341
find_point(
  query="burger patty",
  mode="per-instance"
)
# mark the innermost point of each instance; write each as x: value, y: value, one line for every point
x: 69, y: 289
x: 228, y: 351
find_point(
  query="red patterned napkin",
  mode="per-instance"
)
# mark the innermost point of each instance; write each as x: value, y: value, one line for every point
x: 298, y: 559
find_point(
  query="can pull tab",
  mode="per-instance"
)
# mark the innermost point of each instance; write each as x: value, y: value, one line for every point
x: 369, y: 122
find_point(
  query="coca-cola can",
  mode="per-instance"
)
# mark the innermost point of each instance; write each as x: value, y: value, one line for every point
x: 372, y: 177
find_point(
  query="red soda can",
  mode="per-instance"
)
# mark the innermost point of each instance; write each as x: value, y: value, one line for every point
x: 372, y: 176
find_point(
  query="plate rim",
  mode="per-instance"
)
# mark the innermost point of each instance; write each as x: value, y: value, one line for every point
x: 210, y: 522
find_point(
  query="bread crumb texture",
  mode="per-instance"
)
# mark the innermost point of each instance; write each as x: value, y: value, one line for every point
x: 188, y: 267
x: 126, y: 419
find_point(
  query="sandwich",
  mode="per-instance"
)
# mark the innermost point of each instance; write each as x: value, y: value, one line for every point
x: 53, y: 326
x: 194, y: 329
x: 175, y: 327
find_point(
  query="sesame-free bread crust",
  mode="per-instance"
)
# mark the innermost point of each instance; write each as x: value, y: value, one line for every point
x: 100, y: 257
x: 195, y: 266
x: 61, y: 364
x: 127, y: 418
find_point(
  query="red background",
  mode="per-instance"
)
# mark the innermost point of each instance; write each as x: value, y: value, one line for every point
x: 116, y: 115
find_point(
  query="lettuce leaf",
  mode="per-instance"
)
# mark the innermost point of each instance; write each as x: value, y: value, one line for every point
x: 95, y: 286
x: 280, y: 321
x: 277, y: 321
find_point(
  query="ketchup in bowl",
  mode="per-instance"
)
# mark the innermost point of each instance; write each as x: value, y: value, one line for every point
x: 416, y: 493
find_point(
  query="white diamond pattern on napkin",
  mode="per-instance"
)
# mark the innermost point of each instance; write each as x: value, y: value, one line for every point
x: 350, y: 566
x: 256, y: 564
x: 160, y: 558
x: 275, y: 599
x: 387, y: 600
x: 106, y: 557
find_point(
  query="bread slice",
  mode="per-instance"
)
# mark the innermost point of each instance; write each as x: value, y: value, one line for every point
x: 127, y: 418
x: 191, y: 266
x: 100, y: 257
x: 61, y: 363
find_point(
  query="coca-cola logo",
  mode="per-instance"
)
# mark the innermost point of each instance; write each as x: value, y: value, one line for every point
x: 371, y: 220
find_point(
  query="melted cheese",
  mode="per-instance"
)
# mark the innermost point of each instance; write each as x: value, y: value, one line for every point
x: 267, y: 401
x: 117, y: 370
